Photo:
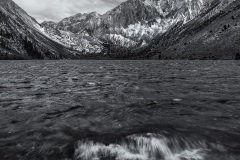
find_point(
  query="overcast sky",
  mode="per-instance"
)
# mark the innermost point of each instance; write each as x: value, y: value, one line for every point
x: 56, y: 10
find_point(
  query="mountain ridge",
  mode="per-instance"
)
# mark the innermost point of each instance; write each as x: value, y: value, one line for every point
x: 132, y: 21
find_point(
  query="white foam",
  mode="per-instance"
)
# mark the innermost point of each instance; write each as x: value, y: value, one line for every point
x: 141, y: 147
x: 91, y: 83
x: 177, y: 100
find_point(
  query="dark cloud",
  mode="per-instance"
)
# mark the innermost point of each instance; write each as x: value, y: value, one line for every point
x: 56, y: 10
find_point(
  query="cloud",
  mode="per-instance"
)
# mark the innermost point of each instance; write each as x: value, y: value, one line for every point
x: 56, y: 10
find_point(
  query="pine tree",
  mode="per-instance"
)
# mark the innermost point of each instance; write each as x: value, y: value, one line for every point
x: 1, y: 32
x: 6, y: 56
x: 3, y: 43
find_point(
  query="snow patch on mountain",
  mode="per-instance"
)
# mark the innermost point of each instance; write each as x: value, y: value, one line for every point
x: 80, y: 41
x: 120, y: 40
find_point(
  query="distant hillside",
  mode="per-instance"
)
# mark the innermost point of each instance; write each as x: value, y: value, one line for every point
x: 21, y: 36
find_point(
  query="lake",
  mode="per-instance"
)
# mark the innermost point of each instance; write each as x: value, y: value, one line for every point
x: 124, y: 110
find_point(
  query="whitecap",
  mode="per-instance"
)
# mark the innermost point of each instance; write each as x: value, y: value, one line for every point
x: 142, y: 147
x: 177, y: 100
x: 91, y: 83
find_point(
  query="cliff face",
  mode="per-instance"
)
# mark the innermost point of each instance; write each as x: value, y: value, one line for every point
x: 22, y: 38
x: 80, y: 22
x: 126, y: 25
x: 143, y: 11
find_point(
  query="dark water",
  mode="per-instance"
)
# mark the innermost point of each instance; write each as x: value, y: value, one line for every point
x: 124, y: 110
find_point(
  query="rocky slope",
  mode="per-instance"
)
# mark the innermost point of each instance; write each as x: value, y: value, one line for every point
x: 127, y: 25
x: 21, y: 36
x: 212, y: 35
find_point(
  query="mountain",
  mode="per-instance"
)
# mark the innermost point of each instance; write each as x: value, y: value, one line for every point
x: 214, y: 34
x: 76, y: 32
x: 21, y: 37
x: 131, y: 23
x: 136, y: 29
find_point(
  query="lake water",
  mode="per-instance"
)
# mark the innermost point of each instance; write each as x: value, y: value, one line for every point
x: 124, y: 110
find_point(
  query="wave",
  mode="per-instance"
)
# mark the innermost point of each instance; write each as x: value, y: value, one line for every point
x: 144, y: 147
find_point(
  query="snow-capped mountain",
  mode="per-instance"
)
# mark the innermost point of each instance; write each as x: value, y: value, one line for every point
x: 22, y: 37
x: 126, y: 25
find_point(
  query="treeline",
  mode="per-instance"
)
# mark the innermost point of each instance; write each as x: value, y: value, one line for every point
x: 32, y: 49
x: 5, y: 35
x: 115, y: 51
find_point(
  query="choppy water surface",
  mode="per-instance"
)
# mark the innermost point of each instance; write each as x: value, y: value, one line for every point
x: 124, y: 110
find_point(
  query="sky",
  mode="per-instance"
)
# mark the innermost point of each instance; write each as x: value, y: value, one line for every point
x: 56, y: 10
